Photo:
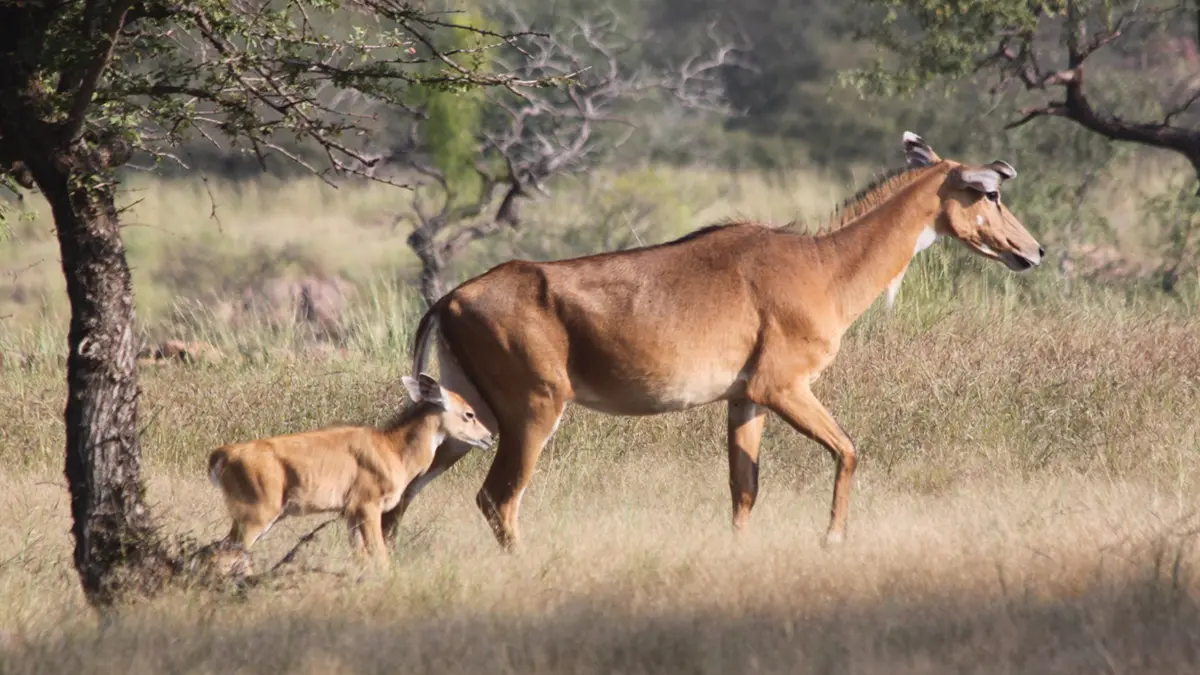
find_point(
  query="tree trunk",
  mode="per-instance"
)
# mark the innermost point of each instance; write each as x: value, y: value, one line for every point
x: 116, y: 548
x: 432, y: 287
x: 433, y: 266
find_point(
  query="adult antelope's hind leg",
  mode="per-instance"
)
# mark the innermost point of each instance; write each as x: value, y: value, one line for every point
x: 745, y: 429
x: 448, y: 454
x: 521, y: 442
x: 807, y: 415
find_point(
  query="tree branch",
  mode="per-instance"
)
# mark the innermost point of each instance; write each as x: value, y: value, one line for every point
x: 1183, y: 107
x: 1076, y: 106
x: 107, y: 34
x: 548, y: 132
x: 1030, y: 114
x: 1157, y: 134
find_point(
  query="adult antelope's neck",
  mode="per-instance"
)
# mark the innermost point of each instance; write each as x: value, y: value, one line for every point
x: 871, y: 251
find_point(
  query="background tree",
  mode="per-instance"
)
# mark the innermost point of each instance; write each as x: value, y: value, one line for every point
x: 86, y: 84
x: 518, y: 141
x: 1038, y: 52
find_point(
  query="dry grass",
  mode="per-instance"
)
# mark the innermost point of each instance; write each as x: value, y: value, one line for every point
x: 640, y: 574
x: 1024, y: 504
x: 190, y: 239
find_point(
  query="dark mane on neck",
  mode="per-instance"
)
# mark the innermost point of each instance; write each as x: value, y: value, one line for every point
x: 875, y: 193
x: 409, y: 413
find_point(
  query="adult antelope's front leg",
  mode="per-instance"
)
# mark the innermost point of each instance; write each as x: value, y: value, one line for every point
x: 521, y: 442
x: 807, y: 415
x: 745, y: 429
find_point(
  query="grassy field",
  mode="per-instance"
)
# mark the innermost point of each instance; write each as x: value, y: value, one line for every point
x: 193, y: 244
x: 1025, y: 502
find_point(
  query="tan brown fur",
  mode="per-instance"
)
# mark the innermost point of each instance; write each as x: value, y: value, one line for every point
x: 359, y: 471
x: 745, y: 313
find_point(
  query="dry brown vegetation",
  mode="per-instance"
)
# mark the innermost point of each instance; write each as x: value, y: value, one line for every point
x: 1024, y: 504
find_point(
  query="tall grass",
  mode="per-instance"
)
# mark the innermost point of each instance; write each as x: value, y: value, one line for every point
x: 1024, y: 503
x: 201, y: 241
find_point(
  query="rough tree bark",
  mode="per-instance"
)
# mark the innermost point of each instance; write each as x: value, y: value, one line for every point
x: 116, y: 548
x: 111, y: 523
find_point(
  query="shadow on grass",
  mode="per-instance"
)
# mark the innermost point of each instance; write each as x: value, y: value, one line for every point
x: 1141, y: 628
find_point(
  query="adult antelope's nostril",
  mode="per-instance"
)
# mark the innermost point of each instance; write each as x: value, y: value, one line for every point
x: 1041, y: 252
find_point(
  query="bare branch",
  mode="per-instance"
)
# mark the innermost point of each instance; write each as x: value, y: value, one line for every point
x: 549, y: 132
x: 1030, y: 114
x: 1020, y: 61
x: 1183, y: 107
x: 306, y: 539
x: 106, y: 35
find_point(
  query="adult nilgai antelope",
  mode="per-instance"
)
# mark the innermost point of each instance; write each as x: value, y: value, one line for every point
x: 359, y: 471
x: 743, y: 313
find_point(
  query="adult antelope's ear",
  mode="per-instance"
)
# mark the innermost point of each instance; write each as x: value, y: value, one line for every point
x: 988, y: 178
x: 1005, y: 169
x: 917, y: 152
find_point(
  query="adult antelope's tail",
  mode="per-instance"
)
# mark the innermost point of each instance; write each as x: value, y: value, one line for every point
x: 424, y: 339
x: 216, y: 464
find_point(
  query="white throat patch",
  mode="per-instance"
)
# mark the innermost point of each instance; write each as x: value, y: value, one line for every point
x: 437, y: 441
x: 925, y: 239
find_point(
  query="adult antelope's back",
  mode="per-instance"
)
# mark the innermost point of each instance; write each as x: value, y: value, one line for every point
x: 742, y: 313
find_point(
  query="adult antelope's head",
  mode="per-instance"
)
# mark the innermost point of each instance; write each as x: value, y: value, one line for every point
x: 458, y: 419
x: 972, y: 211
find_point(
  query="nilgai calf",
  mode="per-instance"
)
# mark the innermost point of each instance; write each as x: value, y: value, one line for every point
x: 359, y: 471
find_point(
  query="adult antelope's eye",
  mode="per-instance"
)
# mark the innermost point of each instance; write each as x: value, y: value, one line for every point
x: 469, y: 415
x: 994, y: 196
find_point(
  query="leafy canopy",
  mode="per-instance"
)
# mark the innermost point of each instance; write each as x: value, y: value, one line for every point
x: 263, y: 77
